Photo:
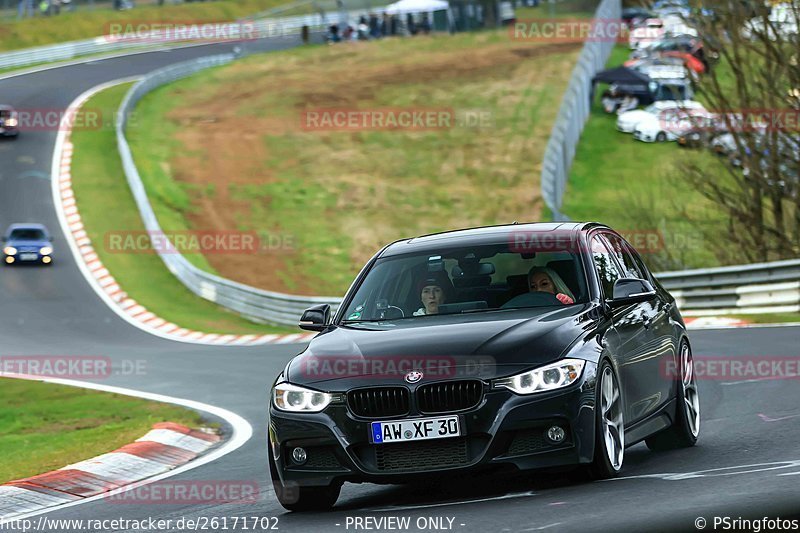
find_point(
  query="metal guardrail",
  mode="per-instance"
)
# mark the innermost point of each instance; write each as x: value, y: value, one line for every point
x: 757, y: 288
x: 574, y: 113
x: 256, y: 304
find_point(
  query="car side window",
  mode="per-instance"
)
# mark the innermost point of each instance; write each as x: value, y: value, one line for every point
x: 626, y: 257
x: 607, y: 270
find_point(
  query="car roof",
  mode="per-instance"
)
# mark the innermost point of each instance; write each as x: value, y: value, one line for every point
x: 478, y: 236
x: 6, y: 108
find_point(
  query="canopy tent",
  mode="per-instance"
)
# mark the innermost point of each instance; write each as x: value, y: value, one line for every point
x: 422, y: 6
x: 626, y: 79
x: 417, y: 6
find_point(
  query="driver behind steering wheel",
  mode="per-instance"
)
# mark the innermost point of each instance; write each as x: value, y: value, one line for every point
x: 433, y: 290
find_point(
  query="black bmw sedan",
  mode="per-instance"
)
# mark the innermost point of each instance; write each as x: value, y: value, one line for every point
x: 523, y: 346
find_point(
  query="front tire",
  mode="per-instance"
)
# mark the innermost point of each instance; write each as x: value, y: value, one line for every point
x: 609, y: 447
x: 295, y: 498
x: 661, y: 137
x: 686, y: 427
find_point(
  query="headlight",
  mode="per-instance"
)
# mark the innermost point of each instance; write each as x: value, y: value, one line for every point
x: 554, y: 376
x: 288, y: 397
x: 10, y: 250
x: 11, y: 123
x: 45, y: 250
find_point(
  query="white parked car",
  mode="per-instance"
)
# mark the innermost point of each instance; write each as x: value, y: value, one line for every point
x: 783, y: 24
x: 671, y: 124
x: 627, y: 122
x: 676, y: 25
x: 647, y: 34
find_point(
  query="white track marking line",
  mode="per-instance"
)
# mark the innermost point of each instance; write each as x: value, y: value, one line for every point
x: 541, y: 528
x: 242, y: 432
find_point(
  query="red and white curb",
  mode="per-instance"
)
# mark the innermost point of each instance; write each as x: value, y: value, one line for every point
x: 100, y: 278
x: 166, y: 447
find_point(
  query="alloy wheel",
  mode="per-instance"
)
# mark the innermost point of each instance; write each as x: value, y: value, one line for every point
x: 691, y: 398
x: 611, y: 412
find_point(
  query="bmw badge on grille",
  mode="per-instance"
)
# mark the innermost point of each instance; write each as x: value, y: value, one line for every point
x: 413, y: 376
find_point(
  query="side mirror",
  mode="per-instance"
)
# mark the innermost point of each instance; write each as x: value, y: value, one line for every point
x: 629, y: 291
x: 316, y: 318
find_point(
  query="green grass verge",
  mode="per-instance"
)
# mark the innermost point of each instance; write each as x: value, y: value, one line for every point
x: 107, y: 207
x: 86, y: 24
x: 44, y: 427
x: 769, y: 318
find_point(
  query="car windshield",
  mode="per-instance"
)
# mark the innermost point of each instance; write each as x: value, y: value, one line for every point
x: 473, y: 279
x: 27, y: 234
x: 5, y: 113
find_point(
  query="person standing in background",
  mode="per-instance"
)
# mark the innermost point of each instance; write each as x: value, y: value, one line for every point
x: 374, y: 26
x: 410, y: 24
x: 24, y: 9
x: 425, y: 24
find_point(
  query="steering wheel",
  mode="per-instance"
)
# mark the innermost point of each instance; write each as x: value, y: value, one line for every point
x: 533, y: 299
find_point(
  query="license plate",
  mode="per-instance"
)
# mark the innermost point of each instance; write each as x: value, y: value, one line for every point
x: 28, y: 257
x: 418, y: 429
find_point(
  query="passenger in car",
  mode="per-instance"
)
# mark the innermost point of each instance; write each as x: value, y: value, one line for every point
x: 543, y: 279
x: 433, y: 290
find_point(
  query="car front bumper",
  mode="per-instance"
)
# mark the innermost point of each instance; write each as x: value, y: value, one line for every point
x: 505, y: 430
x: 26, y: 257
x: 645, y: 137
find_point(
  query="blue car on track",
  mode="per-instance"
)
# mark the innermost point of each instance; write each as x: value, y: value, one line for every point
x: 27, y: 243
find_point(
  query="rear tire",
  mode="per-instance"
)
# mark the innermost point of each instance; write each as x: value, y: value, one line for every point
x: 295, y: 498
x: 686, y: 427
x: 609, y: 442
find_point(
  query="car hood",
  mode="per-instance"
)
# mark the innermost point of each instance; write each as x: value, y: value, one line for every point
x: 485, y: 345
x: 28, y: 245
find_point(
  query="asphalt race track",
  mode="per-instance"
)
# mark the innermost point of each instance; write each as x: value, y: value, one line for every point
x: 746, y: 464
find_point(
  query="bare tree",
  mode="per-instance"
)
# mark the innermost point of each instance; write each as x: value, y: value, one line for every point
x: 754, y: 88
